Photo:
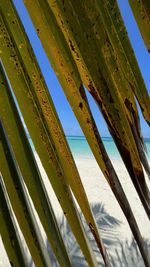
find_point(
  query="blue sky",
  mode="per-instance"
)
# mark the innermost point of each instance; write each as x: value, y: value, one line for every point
x: 69, y: 122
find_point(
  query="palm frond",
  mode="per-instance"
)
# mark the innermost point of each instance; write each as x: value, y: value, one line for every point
x: 87, y: 44
x: 141, y: 11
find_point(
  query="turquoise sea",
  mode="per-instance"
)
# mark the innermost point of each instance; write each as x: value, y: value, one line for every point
x: 80, y: 147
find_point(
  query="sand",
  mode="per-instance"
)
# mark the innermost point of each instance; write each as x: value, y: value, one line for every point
x: 99, y: 193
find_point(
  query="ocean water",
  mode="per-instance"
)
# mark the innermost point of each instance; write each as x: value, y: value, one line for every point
x: 80, y: 148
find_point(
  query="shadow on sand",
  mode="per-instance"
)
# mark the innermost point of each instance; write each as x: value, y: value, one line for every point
x: 121, y: 254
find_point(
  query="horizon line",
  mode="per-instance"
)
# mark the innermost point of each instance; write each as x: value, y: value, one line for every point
x: 68, y: 135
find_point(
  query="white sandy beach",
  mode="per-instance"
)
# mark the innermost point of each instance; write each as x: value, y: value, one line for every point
x: 98, y: 192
